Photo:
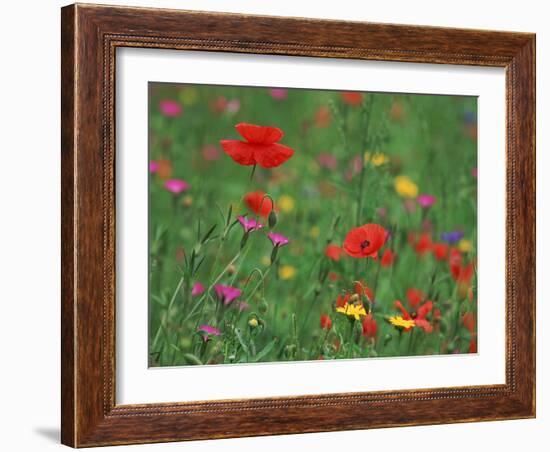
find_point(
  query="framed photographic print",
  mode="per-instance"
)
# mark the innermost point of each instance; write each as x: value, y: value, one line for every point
x: 269, y: 220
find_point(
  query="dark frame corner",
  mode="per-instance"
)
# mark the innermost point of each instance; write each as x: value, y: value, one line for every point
x: 90, y: 35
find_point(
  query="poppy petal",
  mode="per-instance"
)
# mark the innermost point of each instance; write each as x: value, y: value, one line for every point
x: 352, y: 242
x: 272, y: 155
x: 259, y: 134
x: 424, y: 310
x: 400, y: 306
x: 242, y: 153
x: 424, y: 324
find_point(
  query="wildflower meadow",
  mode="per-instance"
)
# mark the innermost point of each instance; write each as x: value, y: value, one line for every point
x: 292, y: 224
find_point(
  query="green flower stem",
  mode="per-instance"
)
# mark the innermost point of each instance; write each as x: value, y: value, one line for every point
x: 201, y: 301
x: 351, y: 338
x: 316, y: 294
x: 170, y: 304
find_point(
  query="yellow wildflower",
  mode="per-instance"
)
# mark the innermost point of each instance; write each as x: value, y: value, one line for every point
x: 189, y: 96
x: 400, y: 322
x: 286, y: 203
x: 355, y: 310
x: 405, y: 187
x: 253, y: 322
x: 187, y: 200
x: 287, y: 272
x: 314, y: 232
x: 465, y: 246
x: 377, y: 158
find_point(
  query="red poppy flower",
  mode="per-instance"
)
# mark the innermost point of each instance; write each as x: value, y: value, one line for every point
x: 469, y: 321
x: 423, y: 245
x: 333, y: 252
x: 365, y: 241
x: 342, y: 300
x: 415, y: 297
x: 370, y: 326
x: 462, y: 274
x: 326, y: 322
x: 440, y: 250
x: 352, y: 98
x: 387, y: 258
x: 419, y: 316
x: 332, y: 276
x: 362, y: 289
x: 256, y: 202
x: 260, y: 147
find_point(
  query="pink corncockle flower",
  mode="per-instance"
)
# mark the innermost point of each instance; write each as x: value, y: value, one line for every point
x: 176, y: 186
x: 425, y: 201
x: 197, y: 289
x: 278, y: 93
x: 278, y: 240
x: 249, y: 224
x: 326, y: 160
x: 208, y: 331
x: 233, y: 106
x: 210, y: 152
x: 355, y: 165
x: 474, y: 172
x: 170, y: 108
x: 153, y: 166
x: 227, y: 294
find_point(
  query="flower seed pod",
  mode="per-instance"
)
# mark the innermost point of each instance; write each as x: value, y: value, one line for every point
x: 263, y: 306
x: 272, y: 220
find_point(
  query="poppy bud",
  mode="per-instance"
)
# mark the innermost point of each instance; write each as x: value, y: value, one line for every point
x: 272, y: 220
x: 263, y: 306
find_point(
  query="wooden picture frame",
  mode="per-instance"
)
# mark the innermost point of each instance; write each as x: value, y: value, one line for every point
x: 90, y: 36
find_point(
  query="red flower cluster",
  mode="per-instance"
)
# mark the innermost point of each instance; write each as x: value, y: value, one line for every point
x: 462, y: 274
x: 423, y: 244
x: 260, y: 147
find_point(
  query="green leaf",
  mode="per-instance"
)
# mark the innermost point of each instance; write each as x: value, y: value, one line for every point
x: 264, y: 351
x: 192, y: 359
x: 241, y: 340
